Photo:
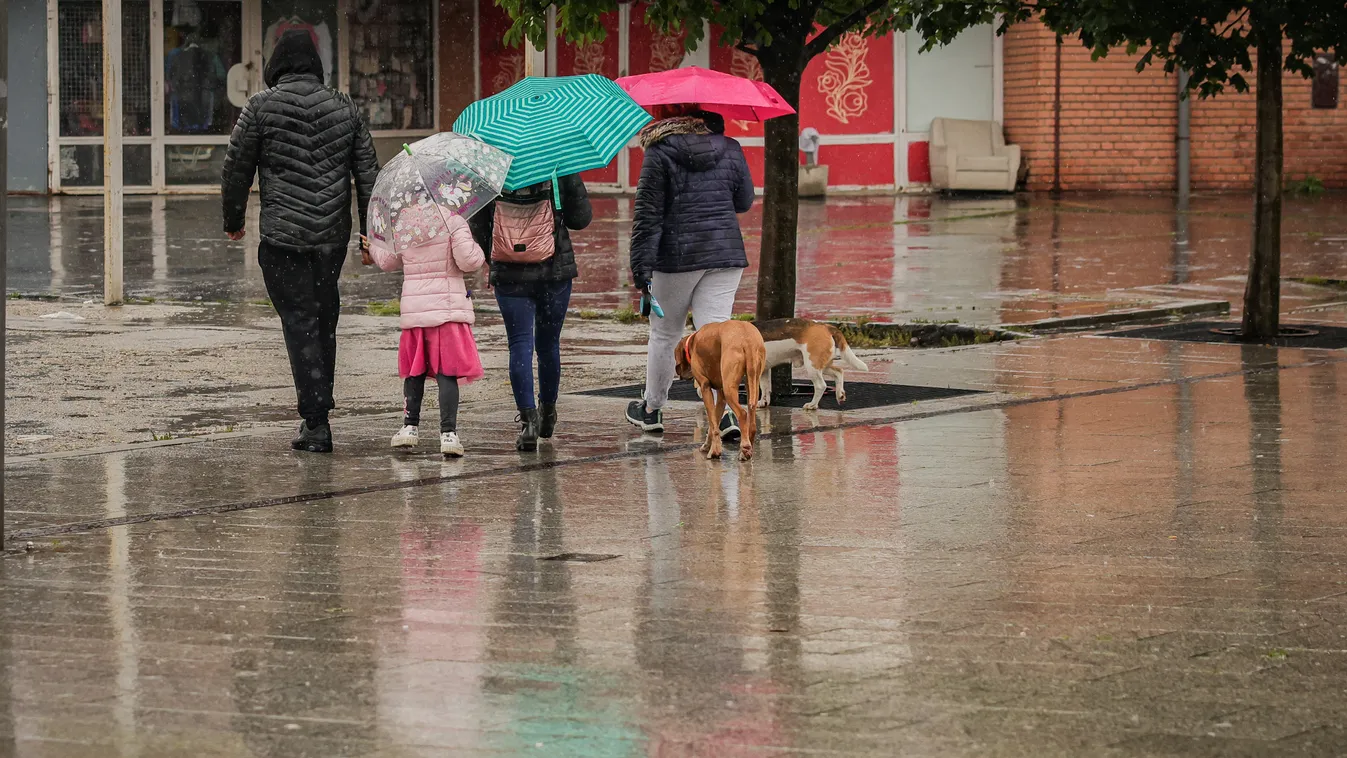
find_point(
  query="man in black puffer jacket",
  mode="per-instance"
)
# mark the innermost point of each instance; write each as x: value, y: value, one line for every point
x: 308, y: 141
x: 686, y: 247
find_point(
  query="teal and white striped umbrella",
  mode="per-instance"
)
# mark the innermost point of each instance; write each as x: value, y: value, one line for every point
x: 555, y: 126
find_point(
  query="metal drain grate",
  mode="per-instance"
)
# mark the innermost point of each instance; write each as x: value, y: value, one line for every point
x: 580, y: 557
x: 860, y: 395
x: 1298, y: 335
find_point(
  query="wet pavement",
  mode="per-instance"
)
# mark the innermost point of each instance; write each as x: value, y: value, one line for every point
x: 979, y: 260
x: 1123, y: 547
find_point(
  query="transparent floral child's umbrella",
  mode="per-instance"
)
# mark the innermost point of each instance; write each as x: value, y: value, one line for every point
x: 443, y: 175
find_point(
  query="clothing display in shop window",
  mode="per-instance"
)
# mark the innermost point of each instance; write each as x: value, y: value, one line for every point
x: 195, y: 77
x: 390, y: 68
x: 322, y: 39
x: 186, y: 13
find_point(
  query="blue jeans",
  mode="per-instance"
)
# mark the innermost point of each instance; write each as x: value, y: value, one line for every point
x: 534, y: 314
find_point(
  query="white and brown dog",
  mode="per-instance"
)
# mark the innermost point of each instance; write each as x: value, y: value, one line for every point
x: 814, y: 346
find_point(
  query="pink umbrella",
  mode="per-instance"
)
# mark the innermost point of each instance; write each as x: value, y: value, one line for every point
x: 733, y: 97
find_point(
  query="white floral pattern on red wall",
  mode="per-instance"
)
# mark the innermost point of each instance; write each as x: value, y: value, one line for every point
x: 846, y: 79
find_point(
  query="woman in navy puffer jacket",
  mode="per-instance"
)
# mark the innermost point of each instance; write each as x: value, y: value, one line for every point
x: 686, y: 247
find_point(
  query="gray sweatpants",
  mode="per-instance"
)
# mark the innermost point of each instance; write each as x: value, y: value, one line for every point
x: 709, y: 295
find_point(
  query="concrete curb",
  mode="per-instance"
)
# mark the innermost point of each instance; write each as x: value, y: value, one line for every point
x: 1180, y: 308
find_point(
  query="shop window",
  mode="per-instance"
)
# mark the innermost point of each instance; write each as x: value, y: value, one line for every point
x: 1324, y: 93
x: 392, y: 58
x: 82, y: 165
x: 79, y: 28
x: 202, y: 42
x: 317, y: 17
x: 193, y: 164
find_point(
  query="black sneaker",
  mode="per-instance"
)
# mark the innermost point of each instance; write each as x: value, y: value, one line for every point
x: 643, y: 418
x: 729, y: 427
x: 316, y: 439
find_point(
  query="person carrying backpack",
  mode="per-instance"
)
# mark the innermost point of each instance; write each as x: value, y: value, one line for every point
x: 526, y: 235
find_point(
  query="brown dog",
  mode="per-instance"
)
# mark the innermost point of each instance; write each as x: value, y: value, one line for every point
x: 719, y: 356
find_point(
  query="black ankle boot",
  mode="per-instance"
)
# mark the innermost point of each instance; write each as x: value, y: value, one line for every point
x: 528, y: 434
x: 548, y: 424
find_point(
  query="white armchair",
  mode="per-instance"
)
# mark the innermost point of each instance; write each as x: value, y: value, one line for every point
x: 972, y: 155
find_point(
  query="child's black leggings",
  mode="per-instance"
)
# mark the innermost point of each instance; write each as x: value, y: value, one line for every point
x: 414, y: 390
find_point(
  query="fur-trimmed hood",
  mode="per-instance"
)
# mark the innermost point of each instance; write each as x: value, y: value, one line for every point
x: 695, y: 140
x: 658, y: 131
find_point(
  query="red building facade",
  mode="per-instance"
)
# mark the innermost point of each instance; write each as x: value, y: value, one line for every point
x: 863, y: 96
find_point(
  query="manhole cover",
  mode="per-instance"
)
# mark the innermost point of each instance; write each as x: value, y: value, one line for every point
x: 580, y: 557
x: 860, y: 395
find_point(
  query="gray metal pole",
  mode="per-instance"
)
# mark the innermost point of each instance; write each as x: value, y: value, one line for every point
x: 1183, y: 141
x: 4, y: 230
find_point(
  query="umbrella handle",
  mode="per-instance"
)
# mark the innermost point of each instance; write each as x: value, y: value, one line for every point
x: 556, y: 191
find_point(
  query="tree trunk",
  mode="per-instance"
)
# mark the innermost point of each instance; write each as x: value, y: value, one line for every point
x: 780, y: 204
x: 1262, y: 295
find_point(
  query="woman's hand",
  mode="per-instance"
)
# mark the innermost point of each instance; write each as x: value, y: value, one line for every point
x: 365, y: 257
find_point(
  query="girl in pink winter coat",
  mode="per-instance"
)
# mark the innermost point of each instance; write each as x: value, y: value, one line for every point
x: 437, y: 319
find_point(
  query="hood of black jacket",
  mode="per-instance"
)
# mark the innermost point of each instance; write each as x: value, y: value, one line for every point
x: 693, y: 141
x: 715, y: 122
x: 295, y: 54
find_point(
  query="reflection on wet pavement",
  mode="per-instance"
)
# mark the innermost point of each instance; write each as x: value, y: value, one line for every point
x: 1128, y: 548
x: 978, y: 260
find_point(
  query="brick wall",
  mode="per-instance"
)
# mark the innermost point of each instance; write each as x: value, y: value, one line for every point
x: 1118, y: 126
x: 1223, y: 138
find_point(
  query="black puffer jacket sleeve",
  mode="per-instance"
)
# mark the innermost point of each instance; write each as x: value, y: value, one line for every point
x: 576, y: 211
x: 648, y: 224
x: 364, y: 166
x: 743, y: 189
x: 240, y: 166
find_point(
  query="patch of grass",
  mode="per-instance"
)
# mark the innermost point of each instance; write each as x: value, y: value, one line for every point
x: 14, y: 296
x: 161, y: 437
x: 589, y: 314
x: 1277, y: 654
x: 265, y: 301
x: 385, y: 308
x: 867, y: 334
x: 860, y: 334
x: 628, y: 315
x: 1310, y: 185
x: 745, y: 317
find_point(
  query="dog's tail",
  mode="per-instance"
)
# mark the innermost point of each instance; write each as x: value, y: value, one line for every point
x: 755, y: 363
x: 848, y: 357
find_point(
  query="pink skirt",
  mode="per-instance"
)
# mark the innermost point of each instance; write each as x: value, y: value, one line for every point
x: 444, y: 350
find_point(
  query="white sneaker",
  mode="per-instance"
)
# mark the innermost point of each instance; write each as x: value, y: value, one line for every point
x: 449, y: 445
x: 409, y: 436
